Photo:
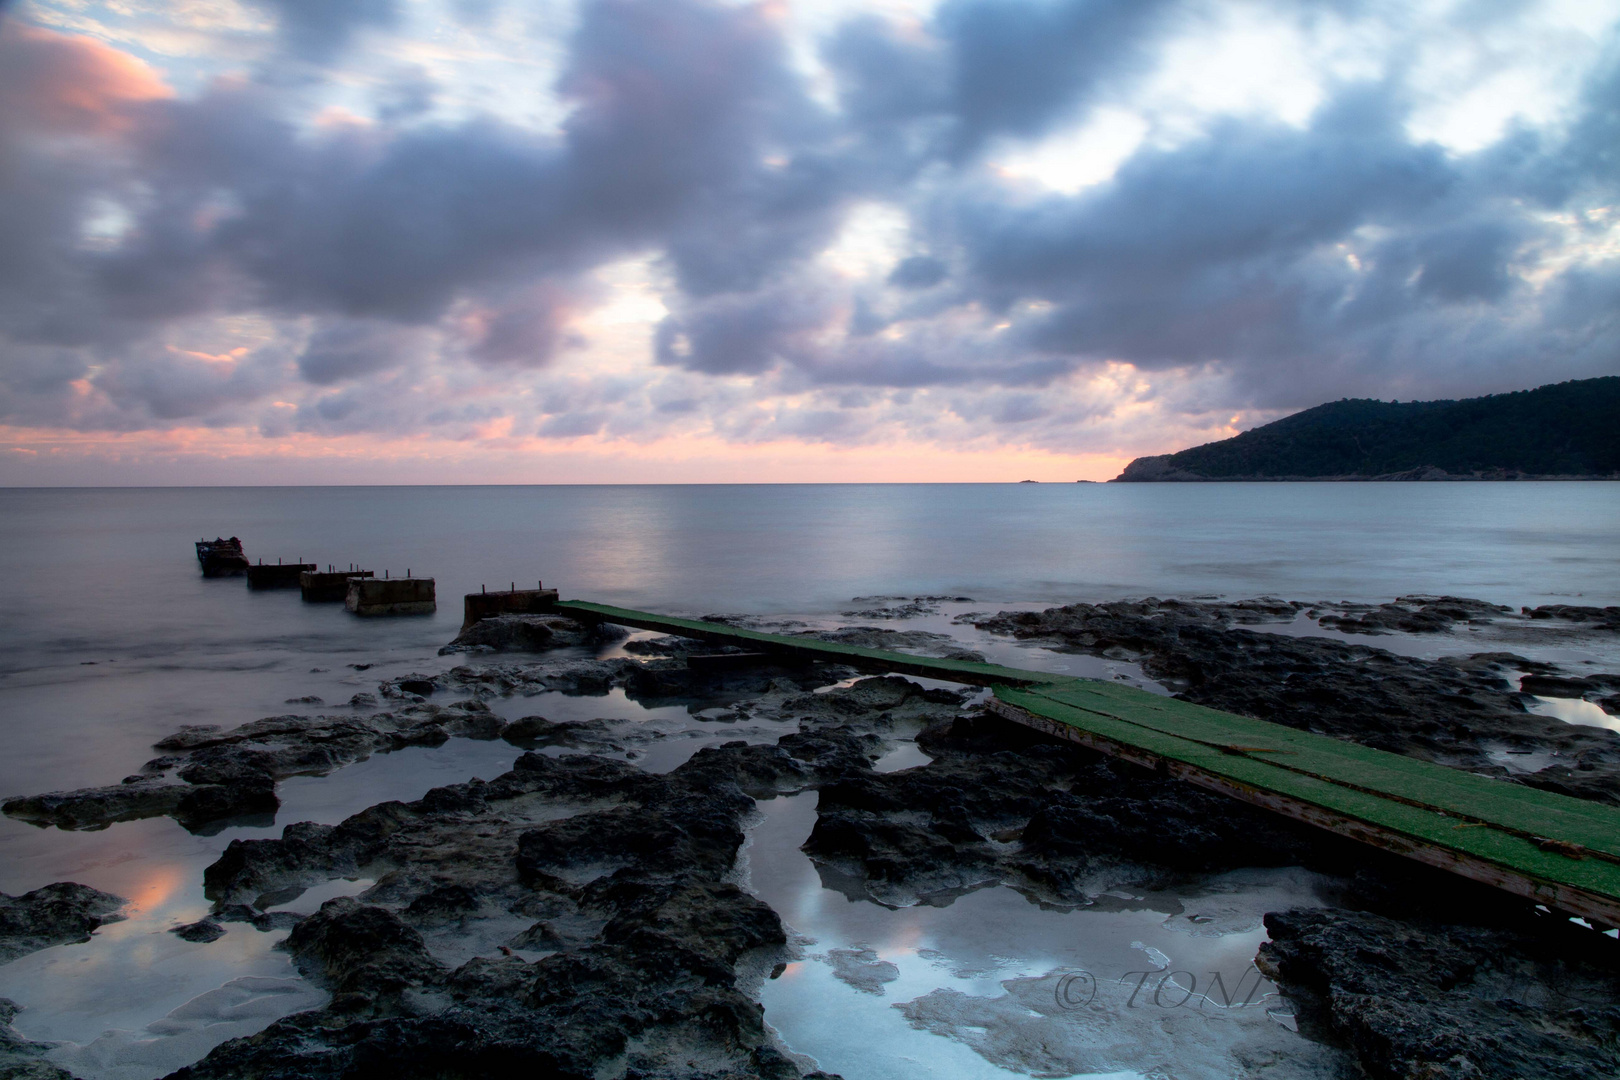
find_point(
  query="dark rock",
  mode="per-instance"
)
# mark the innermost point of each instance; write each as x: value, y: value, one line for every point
x: 202, y: 931
x: 444, y: 904
x: 53, y: 915
x: 206, y: 804
x: 644, y: 937
x: 20, y: 1059
x: 1437, y: 710
x: 224, y: 775
x: 540, y: 937
x: 1066, y: 822
x: 532, y: 633
x: 350, y: 947
x: 921, y: 642
x: 1415, y: 999
x: 1566, y: 687
x: 1417, y: 615
x: 96, y: 808
x: 1604, y: 618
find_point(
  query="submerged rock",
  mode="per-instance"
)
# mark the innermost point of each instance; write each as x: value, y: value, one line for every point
x: 53, y: 915
x: 202, y: 931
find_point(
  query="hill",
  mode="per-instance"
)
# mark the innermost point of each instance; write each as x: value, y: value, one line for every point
x: 1566, y: 430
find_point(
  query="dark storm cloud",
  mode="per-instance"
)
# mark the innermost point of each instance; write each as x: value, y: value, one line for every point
x: 990, y: 67
x: 1190, y: 254
x: 171, y: 385
x: 1236, y: 248
x: 344, y: 349
x: 1301, y: 262
x: 677, y: 107
x: 1017, y: 67
x: 918, y: 272
x: 320, y: 29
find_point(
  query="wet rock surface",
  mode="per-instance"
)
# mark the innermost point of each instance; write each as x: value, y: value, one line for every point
x: 899, y: 607
x: 1418, y: 998
x: 19, y: 1058
x: 599, y: 888
x: 1057, y: 822
x: 200, y: 932
x: 1598, y: 618
x: 580, y: 916
x: 53, y: 915
x: 531, y: 633
x: 1458, y: 712
x: 208, y: 775
x: 1414, y: 615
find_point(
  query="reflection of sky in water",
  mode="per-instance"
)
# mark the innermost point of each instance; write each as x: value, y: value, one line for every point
x: 1575, y: 711
x: 976, y: 986
x: 136, y: 1000
x: 102, y: 995
x: 109, y: 640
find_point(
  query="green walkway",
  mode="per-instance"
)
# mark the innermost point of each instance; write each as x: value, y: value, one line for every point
x: 1555, y: 850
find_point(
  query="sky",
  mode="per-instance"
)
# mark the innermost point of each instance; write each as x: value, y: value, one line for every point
x: 605, y: 241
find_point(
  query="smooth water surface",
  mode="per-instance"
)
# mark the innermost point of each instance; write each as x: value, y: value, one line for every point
x: 110, y: 639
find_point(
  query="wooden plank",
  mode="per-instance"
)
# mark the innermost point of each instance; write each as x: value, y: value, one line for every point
x: 1549, y: 848
x: 809, y: 648
x: 1531, y: 812
x: 1511, y: 863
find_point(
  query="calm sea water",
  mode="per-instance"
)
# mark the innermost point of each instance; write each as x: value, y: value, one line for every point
x: 110, y: 639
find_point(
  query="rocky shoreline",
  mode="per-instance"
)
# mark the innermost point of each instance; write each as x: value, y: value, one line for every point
x: 580, y: 915
x: 1162, y: 469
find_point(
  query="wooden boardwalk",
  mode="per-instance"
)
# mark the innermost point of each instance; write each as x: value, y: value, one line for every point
x: 1548, y: 848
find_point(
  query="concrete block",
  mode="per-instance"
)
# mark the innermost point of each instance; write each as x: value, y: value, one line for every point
x: 330, y: 586
x: 280, y: 576
x: 482, y: 605
x: 391, y: 596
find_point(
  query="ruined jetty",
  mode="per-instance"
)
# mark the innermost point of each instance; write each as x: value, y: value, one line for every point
x: 221, y: 558
x: 280, y: 576
x: 1548, y: 849
x: 371, y: 596
x: 329, y: 586
x: 513, y: 601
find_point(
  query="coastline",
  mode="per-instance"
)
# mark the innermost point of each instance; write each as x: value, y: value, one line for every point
x: 482, y: 946
x: 1157, y: 470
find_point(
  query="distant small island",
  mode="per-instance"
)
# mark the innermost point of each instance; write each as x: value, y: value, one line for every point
x: 1566, y: 431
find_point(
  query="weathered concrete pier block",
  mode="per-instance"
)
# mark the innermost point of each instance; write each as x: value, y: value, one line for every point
x: 513, y: 601
x: 329, y: 586
x: 280, y: 576
x: 391, y: 596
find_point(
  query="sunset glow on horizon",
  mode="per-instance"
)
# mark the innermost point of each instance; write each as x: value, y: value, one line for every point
x: 627, y: 241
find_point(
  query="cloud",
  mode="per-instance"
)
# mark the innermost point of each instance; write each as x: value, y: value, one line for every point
x: 1018, y: 67
x: 344, y: 349
x: 331, y: 243
x: 321, y: 29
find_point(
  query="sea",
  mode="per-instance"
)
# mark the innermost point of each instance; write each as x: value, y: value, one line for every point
x: 110, y: 639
